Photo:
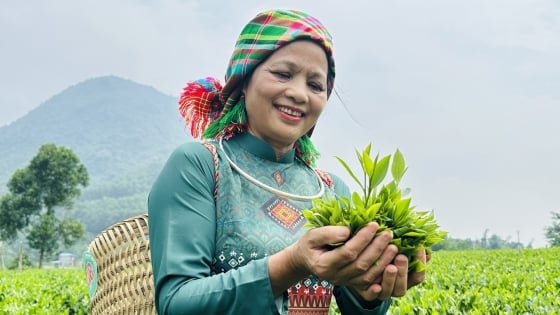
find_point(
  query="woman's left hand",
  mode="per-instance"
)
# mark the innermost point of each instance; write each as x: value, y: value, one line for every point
x: 394, y: 282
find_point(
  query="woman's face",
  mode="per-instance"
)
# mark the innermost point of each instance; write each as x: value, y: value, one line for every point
x: 286, y: 94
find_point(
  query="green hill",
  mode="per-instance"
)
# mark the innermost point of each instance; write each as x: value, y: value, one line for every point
x: 121, y: 130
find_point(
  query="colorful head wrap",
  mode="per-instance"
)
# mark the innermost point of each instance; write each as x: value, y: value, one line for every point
x: 212, y: 111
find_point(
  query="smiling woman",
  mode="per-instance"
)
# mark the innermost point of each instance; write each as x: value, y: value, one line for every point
x: 226, y: 223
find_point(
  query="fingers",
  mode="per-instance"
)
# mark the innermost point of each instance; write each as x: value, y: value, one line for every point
x: 310, y: 251
x: 393, y: 282
x: 422, y: 256
x: 374, y: 273
x: 415, y: 278
x: 401, y: 282
x: 320, y: 237
x: 361, y: 239
x: 365, y: 247
x: 368, y: 266
x: 388, y: 282
x: 353, y: 248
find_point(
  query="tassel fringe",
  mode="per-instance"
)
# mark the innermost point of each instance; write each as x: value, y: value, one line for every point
x: 200, y: 105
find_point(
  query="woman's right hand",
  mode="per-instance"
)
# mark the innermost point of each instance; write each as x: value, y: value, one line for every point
x: 359, y: 262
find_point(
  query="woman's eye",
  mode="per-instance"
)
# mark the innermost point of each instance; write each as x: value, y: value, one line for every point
x: 316, y: 86
x: 282, y: 75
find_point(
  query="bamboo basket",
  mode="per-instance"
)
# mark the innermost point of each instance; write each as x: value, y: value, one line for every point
x: 124, y: 279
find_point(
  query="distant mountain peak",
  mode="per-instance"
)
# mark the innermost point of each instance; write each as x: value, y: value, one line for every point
x: 107, y: 81
x: 108, y: 121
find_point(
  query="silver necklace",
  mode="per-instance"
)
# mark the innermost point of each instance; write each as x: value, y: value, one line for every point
x: 272, y: 189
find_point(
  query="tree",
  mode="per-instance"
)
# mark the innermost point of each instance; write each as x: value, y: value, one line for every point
x: 484, y: 239
x: 552, y: 233
x: 52, y: 179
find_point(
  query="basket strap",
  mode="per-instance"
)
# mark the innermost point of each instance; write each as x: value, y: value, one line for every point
x: 325, y: 177
x: 212, y: 149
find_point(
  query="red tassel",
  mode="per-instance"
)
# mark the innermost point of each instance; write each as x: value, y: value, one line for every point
x: 200, y: 105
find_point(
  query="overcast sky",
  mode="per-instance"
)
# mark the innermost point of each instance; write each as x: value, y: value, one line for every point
x: 469, y: 91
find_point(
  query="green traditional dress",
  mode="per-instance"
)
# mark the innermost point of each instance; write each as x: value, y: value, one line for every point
x: 210, y: 249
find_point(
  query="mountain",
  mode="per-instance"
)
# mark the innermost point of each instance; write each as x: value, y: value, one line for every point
x: 122, y: 132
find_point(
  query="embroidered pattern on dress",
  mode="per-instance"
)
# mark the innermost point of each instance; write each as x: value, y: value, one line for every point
x: 284, y: 213
x: 231, y: 259
x: 310, y: 296
x: 278, y: 178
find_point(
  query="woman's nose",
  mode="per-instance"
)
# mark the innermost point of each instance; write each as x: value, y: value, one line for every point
x: 297, y: 91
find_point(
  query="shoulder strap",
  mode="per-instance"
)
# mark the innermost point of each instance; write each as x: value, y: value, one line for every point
x: 326, y: 177
x: 212, y: 149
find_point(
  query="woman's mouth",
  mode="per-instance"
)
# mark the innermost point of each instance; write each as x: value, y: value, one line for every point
x: 289, y: 111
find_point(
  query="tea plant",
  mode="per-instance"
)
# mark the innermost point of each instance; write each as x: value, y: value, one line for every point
x: 385, y: 204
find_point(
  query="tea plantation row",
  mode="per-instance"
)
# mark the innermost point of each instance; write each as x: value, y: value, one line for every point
x: 459, y: 282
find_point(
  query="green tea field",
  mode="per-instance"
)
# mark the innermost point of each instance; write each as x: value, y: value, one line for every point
x: 459, y: 282
x: 487, y: 282
x: 43, y: 291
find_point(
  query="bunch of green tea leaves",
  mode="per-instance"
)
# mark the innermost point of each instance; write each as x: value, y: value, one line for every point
x: 383, y: 203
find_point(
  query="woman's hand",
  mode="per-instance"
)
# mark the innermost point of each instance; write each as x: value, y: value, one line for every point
x: 359, y: 262
x: 396, y: 280
x: 369, y: 266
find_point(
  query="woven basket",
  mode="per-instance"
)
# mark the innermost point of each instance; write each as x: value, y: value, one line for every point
x: 124, y: 281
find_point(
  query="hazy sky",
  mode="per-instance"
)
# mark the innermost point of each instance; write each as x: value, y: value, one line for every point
x: 469, y: 91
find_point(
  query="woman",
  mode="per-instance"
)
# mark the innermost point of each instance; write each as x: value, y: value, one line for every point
x: 226, y: 228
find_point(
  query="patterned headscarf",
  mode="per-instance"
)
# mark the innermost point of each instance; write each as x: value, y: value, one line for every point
x: 212, y: 111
